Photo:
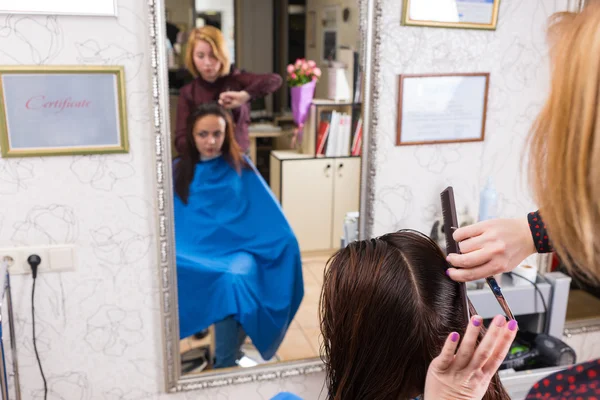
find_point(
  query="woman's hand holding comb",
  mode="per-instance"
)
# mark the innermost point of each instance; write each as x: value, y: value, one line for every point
x: 489, y: 248
x: 466, y: 374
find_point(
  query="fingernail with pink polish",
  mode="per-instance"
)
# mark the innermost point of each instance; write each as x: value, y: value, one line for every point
x: 454, y: 336
x: 500, y: 321
x: 477, y: 321
x: 513, y: 325
x: 448, y: 272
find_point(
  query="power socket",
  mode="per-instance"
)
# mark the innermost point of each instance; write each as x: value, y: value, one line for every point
x: 54, y: 258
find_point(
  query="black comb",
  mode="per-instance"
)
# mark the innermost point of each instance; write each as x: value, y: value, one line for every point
x: 450, y: 225
x: 450, y: 220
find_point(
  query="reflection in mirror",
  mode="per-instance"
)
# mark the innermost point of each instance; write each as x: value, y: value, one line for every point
x: 265, y: 109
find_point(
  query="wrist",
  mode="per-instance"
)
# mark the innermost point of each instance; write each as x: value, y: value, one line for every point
x: 246, y: 95
x: 526, y: 237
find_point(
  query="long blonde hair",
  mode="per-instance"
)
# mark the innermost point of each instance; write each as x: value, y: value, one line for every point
x: 565, y: 142
x: 215, y: 39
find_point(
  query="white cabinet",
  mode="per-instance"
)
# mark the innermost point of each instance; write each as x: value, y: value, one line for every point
x: 315, y: 194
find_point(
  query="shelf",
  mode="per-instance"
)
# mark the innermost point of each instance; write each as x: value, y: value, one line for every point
x: 283, y: 155
x: 327, y: 102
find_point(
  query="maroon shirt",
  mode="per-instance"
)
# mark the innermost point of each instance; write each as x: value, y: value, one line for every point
x: 578, y: 382
x: 200, y: 91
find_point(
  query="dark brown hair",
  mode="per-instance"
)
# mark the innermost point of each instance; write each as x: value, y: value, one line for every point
x: 186, y: 165
x: 386, y: 310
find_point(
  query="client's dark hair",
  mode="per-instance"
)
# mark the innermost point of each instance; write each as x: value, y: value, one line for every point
x: 184, y: 169
x: 386, y: 310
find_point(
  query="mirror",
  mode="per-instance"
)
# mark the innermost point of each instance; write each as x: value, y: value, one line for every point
x: 252, y: 202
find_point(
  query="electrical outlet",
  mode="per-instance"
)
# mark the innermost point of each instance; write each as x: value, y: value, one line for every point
x: 54, y: 258
x: 14, y: 255
x: 61, y: 258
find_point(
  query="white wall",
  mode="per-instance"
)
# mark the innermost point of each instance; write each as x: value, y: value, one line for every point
x: 226, y: 7
x: 98, y: 327
x: 256, y: 39
x: 180, y: 12
x: 409, y: 179
x: 347, y: 35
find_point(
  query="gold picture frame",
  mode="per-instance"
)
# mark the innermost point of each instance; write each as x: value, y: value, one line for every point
x: 62, y: 110
x: 476, y: 11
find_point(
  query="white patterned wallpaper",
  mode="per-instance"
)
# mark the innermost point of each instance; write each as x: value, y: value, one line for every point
x: 409, y: 179
x: 97, y: 327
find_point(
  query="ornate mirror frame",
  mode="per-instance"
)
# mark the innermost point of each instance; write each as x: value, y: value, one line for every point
x: 370, y: 17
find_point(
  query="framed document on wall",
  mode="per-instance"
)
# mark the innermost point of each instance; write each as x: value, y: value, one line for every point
x: 442, y: 108
x: 51, y: 111
x: 60, y: 7
x: 473, y: 14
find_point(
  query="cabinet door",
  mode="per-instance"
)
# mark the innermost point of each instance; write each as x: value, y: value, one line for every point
x: 307, y: 201
x: 275, y: 177
x: 346, y: 194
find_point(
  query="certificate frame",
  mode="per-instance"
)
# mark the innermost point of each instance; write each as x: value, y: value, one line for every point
x: 400, y: 141
x: 488, y: 25
x: 108, y: 8
x: 109, y: 108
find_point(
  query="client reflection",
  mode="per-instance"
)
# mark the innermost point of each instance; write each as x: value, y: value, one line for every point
x: 238, y: 261
x: 387, y: 308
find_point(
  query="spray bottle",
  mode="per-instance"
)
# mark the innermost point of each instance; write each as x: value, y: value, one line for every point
x: 488, y: 201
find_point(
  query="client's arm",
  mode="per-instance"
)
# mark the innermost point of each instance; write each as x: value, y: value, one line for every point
x: 495, y: 246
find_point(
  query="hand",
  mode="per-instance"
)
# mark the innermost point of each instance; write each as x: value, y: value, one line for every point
x: 233, y: 99
x: 466, y: 375
x: 489, y: 248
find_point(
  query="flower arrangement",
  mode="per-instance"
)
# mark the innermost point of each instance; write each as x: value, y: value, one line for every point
x: 302, y: 72
x: 302, y: 78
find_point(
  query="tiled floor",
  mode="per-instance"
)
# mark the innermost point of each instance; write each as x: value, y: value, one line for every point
x: 302, y: 340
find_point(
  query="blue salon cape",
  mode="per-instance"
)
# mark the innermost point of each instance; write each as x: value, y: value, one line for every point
x: 286, y: 396
x: 236, y: 255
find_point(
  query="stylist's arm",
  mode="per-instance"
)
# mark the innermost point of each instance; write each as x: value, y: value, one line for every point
x: 466, y: 373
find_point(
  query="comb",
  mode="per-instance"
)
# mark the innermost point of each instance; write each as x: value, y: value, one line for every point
x: 450, y: 220
x: 450, y: 225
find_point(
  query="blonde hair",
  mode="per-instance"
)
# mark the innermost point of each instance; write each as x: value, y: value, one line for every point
x: 215, y: 39
x: 565, y: 143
